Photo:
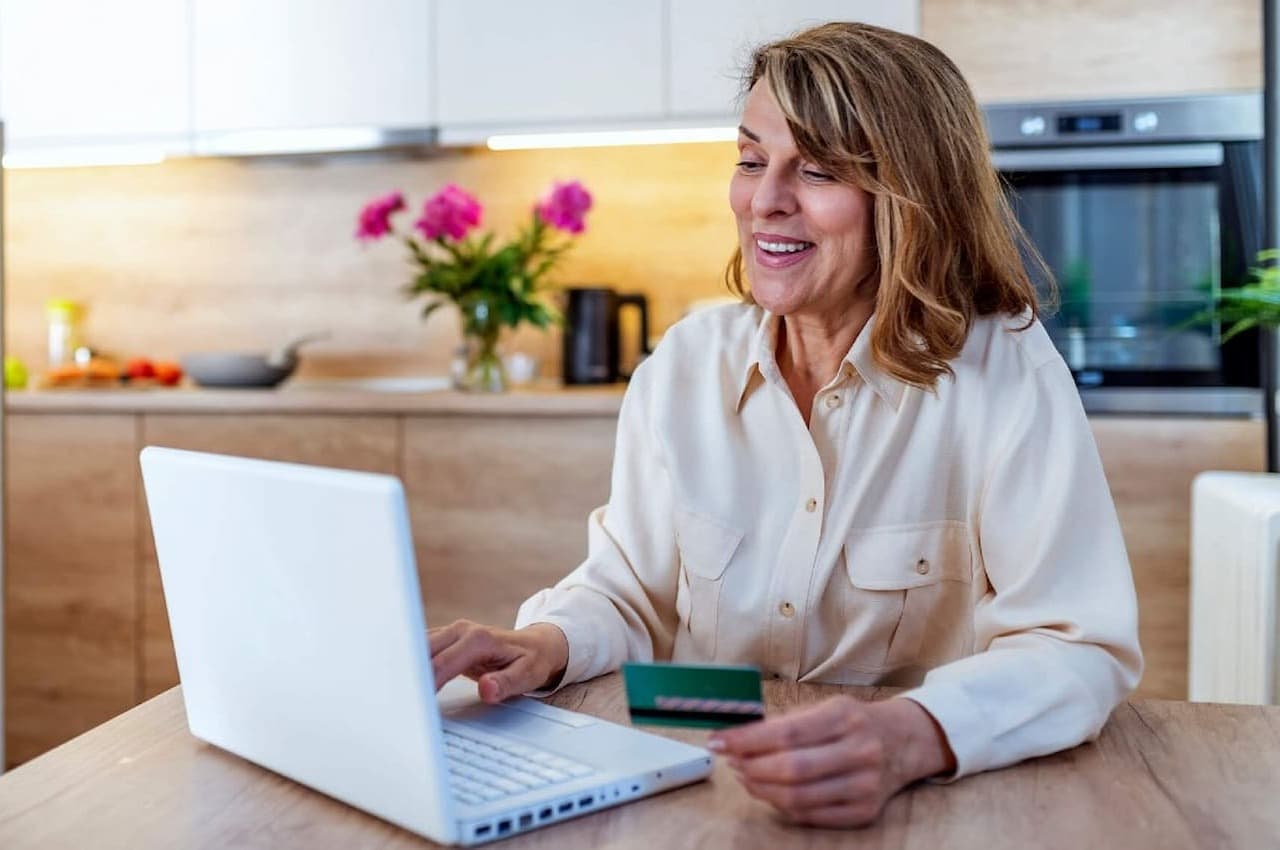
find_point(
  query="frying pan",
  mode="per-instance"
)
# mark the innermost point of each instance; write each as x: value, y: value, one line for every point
x: 242, y: 369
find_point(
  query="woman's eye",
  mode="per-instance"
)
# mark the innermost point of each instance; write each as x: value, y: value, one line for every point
x: 749, y: 166
x: 820, y: 176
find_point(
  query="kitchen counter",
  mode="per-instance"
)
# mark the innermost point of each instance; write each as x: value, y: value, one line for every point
x: 542, y: 400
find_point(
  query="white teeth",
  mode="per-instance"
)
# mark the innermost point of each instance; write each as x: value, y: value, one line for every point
x: 783, y: 247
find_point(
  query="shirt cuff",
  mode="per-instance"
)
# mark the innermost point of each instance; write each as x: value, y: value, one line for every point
x: 575, y: 634
x: 962, y: 722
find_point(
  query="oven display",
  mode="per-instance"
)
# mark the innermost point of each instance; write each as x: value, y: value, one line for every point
x: 1096, y: 123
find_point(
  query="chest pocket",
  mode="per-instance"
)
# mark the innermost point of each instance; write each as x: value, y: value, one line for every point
x: 908, y: 601
x: 706, y: 546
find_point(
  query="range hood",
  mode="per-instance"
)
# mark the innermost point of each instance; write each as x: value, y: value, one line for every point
x: 62, y: 153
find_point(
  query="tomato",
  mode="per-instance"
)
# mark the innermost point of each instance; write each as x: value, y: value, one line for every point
x: 140, y: 367
x: 168, y: 373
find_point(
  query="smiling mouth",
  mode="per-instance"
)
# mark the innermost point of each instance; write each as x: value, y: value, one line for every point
x: 782, y: 248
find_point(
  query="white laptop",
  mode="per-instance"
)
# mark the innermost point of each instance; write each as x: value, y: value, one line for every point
x: 301, y: 644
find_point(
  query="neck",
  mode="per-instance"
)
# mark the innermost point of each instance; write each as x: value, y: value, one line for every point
x: 811, y: 347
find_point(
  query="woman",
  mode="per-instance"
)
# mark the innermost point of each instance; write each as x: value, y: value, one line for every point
x: 875, y: 471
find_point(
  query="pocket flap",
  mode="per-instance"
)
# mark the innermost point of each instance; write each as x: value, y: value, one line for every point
x: 706, y: 545
x: 908, y: 556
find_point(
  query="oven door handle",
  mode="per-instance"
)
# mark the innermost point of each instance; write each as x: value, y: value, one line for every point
x: 1208, y: 154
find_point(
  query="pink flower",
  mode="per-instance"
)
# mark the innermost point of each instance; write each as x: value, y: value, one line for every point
x: 450, y: 212
x: 375, y: 218
x: 565, y: 206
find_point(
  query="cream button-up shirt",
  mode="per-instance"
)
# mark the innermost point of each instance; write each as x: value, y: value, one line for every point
x: 961, y: 541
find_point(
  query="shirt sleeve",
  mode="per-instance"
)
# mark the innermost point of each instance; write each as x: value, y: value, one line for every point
x: 619, y: 604
x: 1056, y: 631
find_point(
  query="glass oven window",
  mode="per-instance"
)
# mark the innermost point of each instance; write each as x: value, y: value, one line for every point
x: 1135, y: 253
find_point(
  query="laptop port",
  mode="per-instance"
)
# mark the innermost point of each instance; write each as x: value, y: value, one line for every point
x: 483, y: 830
x: 545, y: 813
x: 504, y: 826
x: 526, y: 820
x: 583, y: 802
x: 565, y: 806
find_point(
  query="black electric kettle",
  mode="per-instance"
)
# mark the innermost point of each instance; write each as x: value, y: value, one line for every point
x: 591, y: 341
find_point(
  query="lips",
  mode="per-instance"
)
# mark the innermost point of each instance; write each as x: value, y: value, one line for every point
x: 776, y: 251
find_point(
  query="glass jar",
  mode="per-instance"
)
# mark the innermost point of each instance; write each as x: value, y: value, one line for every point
x: 65, y: 317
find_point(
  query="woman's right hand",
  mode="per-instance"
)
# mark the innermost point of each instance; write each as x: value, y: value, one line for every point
x: 503, y: 662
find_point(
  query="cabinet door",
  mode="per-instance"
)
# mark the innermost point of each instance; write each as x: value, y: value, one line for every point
x: 70, y: 648
x: 89, y: 71
x: 557, y: 60
x: 711, y: 41
x: 499, y: 506
x: 299, y: 64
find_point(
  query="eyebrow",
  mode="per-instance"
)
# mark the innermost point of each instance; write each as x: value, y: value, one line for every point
x: 750, y: 135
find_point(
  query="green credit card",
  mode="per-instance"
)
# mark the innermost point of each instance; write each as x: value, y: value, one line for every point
x: 705, y: 696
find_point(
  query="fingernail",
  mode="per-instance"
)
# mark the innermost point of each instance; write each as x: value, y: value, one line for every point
x: 716, y: 745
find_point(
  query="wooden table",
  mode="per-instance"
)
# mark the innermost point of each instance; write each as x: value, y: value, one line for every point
x: 1163, y: 775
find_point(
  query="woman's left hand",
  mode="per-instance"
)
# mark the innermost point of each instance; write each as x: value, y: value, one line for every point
x: 836, y: 763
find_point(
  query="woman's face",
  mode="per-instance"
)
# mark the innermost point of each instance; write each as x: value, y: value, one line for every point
x: 806, y: 239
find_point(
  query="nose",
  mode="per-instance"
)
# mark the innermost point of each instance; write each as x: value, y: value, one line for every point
x: 773, y: 196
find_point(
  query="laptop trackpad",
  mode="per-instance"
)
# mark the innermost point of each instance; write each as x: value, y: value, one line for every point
x: 509, y: 720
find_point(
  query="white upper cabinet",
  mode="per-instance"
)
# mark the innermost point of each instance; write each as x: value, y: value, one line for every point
x: 711, y: 40
x: 94, y: 72
x: 305, y: 64
x: 511, y: 62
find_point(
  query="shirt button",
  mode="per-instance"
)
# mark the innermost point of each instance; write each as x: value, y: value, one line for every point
x: 787, y: 610
x: 833, y: 401
x: 811, y: 505
x: 922, y: 566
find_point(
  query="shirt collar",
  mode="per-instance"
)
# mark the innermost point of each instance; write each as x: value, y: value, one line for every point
x: 762, y: 363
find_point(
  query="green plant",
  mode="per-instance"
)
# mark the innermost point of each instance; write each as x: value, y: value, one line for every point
x: 1255, y: 303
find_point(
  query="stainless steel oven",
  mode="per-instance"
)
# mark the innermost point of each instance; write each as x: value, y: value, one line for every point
x: 1143, y: 210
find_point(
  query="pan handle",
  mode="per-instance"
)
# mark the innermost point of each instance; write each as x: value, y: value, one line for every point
x: 286, y: 356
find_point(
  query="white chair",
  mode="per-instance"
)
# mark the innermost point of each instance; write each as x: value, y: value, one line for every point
x: 1235, y: 541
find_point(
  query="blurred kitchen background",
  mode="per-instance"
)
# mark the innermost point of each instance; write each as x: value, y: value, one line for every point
x: 189, y: 172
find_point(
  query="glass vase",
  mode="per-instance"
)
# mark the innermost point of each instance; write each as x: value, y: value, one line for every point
x: 481, y: 329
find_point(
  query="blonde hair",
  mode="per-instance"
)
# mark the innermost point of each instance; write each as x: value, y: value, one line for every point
x: 892, y: 115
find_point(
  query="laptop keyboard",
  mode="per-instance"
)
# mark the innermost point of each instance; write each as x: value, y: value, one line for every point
x: 484, y: 768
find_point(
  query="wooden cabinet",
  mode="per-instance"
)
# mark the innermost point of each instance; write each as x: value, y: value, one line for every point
x: 556, y: 60
x: 498, y: 503
x: 503, y: 511
x: 302, y: 64
x: 1150, y: 464
x: 93, y: 73
x: 1041, y: 50
x: 711, y: 41
x: 71, y: 580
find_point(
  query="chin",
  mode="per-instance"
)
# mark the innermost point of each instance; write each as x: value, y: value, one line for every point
x: 773, y: 295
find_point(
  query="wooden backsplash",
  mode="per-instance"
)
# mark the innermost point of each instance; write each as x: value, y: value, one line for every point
x: 208, y: 254
x: 193, y: 255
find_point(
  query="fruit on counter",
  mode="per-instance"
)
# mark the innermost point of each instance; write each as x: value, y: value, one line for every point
x: 140, y: 367
x: 167, y: 373
x: 15, y: 373
x: 98, y: 372
x: 104, y: 372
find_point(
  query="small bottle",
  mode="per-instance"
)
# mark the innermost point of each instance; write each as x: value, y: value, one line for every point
x: 64, y: 318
